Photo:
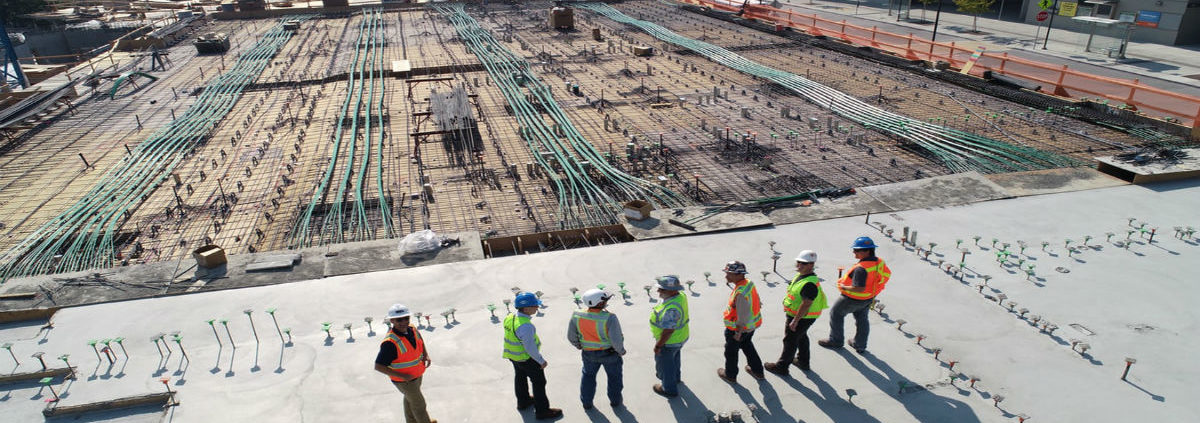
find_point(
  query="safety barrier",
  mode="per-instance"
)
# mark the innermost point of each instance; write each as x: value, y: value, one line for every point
x: 1059, y: 80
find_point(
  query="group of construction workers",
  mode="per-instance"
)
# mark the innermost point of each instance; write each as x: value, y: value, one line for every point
x: 597, y: 334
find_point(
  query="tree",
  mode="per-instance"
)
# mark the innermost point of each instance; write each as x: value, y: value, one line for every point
x: 925, y: 6
x: 14, y: 8
x: 974, y: 7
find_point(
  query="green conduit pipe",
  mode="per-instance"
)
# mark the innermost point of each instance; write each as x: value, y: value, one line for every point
x: 582, y: 201
x: 84, y: 233
x: 958, y: 150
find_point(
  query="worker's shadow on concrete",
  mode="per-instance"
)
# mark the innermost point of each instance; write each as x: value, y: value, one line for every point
x: 825, y: 398
x: 747, y: 398
x: 921, y: 404
x: 688, y: 407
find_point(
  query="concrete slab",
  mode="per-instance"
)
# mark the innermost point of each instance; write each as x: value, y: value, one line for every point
x: 182, y: 276
x: 938, y: 191
x: 853, y: 205
x: 1155, y: 170
x: 1052, y: 181
x: 329, y: 378
x: 274, y: 262
x: 704, y: 219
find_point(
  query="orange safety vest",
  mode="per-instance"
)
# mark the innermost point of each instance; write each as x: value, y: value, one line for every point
x: 408, y: 356
x: 593, y: 330
x: 745, y: 289
x: 877, y: 278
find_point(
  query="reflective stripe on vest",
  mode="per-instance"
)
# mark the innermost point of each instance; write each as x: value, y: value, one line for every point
x: 593, y: 330
x: 677, y: 302
x: 408, y: 356
x: 877, y: 278
x: 513, y: 348
x: 791, y: 304
x: 750, y: 292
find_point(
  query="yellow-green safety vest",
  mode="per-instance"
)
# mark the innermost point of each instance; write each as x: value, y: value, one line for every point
x: 678, y: 302
x: 791, y: 303
x: 513, y: 348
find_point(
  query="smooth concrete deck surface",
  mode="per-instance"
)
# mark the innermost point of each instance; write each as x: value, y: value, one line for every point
x: 1135, y: 302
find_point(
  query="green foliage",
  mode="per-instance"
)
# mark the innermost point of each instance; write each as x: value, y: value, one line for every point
x: 974, y: 7
x: 14, y: 8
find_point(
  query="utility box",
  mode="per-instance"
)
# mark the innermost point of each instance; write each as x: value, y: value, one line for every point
x: 212, y: 43
x: 291, y: 26
x: 638, y: 210
x: 596, y: 34
x: 643, y: 51
x: 562, y: 18
x: 209, y: 256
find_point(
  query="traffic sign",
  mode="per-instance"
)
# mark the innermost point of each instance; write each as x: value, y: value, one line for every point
x: 1045, y: 4
x: 1043, y: 15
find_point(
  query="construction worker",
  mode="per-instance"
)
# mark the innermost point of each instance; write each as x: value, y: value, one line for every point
x: 669, y: 324
x: 521, y: 347
x: 597, y: 333
x: 859, y: 286
x: 742, y: 316
x: 403, y: 358
x: 802, y: 305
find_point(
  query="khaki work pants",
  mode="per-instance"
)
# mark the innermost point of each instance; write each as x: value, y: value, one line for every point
x: 414, y: 401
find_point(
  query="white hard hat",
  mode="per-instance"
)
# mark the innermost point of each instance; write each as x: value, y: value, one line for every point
x: 807, y: 256
x: 398, y: 310
x: 593, y: 297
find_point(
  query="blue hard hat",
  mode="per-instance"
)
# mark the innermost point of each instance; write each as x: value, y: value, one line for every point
x: 863, y: 243
x: 527, y: 299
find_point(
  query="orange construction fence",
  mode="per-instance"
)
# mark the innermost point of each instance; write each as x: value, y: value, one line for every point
x: 1058, y: 80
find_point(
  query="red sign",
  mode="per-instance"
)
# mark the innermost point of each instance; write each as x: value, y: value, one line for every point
x: 1043, y: 15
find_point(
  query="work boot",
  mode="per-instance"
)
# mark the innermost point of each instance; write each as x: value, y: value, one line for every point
x: 796, y: 362
x: 829, y: 344
x: 856, y: 348
x: 526, y: 405
x: 756, y: 375
x: 658, y: 389
x: 776, y: 368
x: 550, y: 413
x: 721, y: 374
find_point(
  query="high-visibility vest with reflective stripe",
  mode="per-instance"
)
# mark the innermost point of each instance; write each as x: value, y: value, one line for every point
x: 791, y: 303
x: 748, y: 291
x: 513, y: 348
x: 877, y: 277
x: 593, y: 330
x: 408, y: 356
x: 678, y: 302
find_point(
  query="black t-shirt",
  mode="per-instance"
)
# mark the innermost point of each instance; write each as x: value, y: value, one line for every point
x: 809, y: 291
x: 387, y: 351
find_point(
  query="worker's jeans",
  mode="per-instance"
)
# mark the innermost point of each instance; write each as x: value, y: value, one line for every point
x: 795, y: 343
x: 592, y: 361
x: 530, y: 372
x: 861, y: 309
x: 414, y: 401
x: 744, y: 345
x: 666, y: 366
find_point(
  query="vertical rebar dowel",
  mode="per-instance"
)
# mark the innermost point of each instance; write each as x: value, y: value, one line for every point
x: 225, y: 323
x: 160, y: 351
x: 271, y: 311
x: 38, y: 355
x: 121, y: 343
x: 214, y: 329
x: 66, y: 360
x: 85, y: 162
x: 252, y: 329
x: 8, y: 346
x: 1128, y: 363
x: 179, y: 343
x: 92, y: 343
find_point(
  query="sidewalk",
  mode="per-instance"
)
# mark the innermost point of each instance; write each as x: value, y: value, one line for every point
x: 1166, y: 67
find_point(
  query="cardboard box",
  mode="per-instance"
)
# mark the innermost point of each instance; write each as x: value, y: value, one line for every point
x: 638, y: 210
x: 209, y: 256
